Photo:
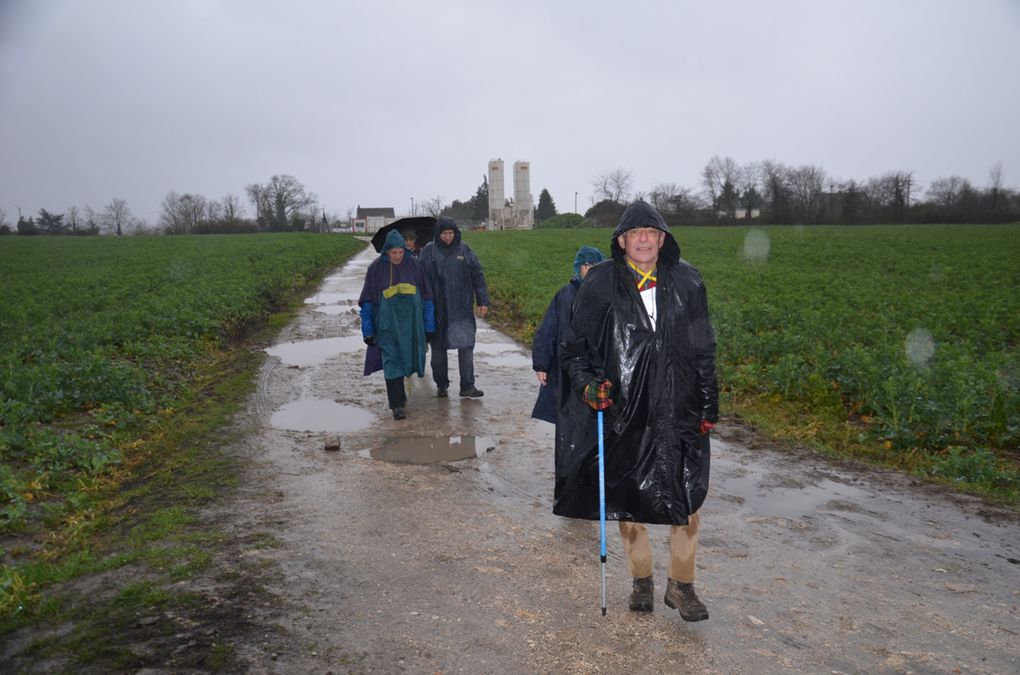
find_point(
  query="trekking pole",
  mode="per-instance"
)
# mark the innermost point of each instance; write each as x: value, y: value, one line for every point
x: 602, y: 511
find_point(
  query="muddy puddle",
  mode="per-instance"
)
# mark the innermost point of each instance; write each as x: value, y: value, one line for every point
x: 751, y: 488
x: 418, y: 450
x: 315, y: 352
x: 317, y: 414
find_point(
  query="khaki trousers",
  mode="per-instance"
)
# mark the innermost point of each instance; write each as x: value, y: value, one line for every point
x: 683, y: 549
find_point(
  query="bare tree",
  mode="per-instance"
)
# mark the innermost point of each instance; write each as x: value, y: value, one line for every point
x: 806, y: 184
x: 720, y: 178
x: 947, y: 192
x: 615, y: 185
x: 116, y: 216
x: 280, y: 200
x: 431, y: 207
x: 5, y: 225
x: 182, y: 212
x: 74, y: 218
x: 233, y: 209
x: 995, y: 181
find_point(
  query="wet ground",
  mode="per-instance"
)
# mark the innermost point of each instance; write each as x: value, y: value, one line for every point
x: 428, y: 544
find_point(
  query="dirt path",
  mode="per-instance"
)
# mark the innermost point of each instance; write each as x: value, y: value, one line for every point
x: 459, y: 566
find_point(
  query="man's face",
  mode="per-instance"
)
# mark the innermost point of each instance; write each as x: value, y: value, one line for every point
x: 584, y: 269
x: 447, y: 236
x: 641, y: 245
x: 395, y: 254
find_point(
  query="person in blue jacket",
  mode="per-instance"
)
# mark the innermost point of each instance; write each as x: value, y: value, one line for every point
x: 544, y: 357
x: 397, y: 318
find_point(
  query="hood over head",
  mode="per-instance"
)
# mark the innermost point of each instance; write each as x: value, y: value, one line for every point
x: 586, y: 254
x: 643, y: 214
x: 443, y: 224
x: 393, y: 240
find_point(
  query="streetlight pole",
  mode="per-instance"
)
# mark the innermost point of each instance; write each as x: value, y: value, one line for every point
x: 575, y: 202
x: 412, y: 206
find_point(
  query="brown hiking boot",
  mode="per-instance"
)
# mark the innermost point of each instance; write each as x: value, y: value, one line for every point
x: 642, y: 598
x: 682, y: 597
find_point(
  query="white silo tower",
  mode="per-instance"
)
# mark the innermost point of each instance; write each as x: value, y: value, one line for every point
x: 497, y: 198
x: 524, y: 216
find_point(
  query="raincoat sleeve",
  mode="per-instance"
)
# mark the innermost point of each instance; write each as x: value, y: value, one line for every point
x: 703, y: 340
x: 581, y: 357
x: 543, y: 347
x: 477, y: 277
x: 367, y: 325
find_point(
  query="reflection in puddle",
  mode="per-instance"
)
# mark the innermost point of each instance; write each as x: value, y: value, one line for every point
x: 790, y: 502
x: 334, y: 309
x: 509, y: 360
x: 331, y: 298
x: 314, y: 352
x: 495, y: 347
x: 417, y: 450
x: 320, y: 414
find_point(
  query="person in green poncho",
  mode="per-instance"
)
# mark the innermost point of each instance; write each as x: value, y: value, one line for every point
x: 397, y: 318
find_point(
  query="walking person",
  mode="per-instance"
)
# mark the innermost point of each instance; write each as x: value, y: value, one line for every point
x: 544, y: 350
x: 457, y: 279
x: 640, y: 346
x: 397, y: 316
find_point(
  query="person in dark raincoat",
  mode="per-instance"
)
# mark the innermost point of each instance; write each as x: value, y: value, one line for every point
x: 544, y: 357
x: 397, y: 315
x: 640, y: 346
x: 458, y: 281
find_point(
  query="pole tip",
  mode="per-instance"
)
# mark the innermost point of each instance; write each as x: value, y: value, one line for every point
x: 603, y: 611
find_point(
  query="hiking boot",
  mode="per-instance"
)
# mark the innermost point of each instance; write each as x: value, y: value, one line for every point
x: 441, y: 392
x: 473, y: 392
x: 682, y: 597
x: 398, y: 414
x: 642, y: 598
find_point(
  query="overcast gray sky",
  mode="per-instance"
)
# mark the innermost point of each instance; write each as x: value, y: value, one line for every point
x: 374, y: 103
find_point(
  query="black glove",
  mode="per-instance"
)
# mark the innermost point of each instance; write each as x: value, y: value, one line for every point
x: 369, y: 340
x: 429, y: 337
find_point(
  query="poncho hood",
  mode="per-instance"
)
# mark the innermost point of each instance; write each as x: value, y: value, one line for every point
x: 586, y: 255
x: 394, y: 240
x: 643, y: 214
x: 443, y: 224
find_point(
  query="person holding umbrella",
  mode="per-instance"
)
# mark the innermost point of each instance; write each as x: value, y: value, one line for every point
x: 397, y: 317
x: 458, y: 281
x: 641, y: 349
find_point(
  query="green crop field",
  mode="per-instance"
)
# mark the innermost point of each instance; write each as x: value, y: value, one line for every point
x: 100, y: 336
x: 897, y: 341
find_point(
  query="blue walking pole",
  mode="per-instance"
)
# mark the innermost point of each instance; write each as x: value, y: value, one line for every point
x: 602, y: 511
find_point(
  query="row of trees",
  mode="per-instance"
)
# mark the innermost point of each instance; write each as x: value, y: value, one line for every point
x: 773, y: 192
x: 281, y: 204
x: 116, y: 217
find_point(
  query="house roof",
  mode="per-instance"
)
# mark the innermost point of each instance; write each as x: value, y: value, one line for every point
x: 385, y: 212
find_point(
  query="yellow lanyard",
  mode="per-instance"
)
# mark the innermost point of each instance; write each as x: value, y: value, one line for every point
x: 645, y: 276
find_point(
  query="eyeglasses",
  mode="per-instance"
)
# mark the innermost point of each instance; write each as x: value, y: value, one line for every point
x: 641, y: 232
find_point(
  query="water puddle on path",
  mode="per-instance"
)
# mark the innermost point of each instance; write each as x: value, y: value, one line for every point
x: 314, y: 352
x: 508, y: 361
x: 327, y: 298
x: 792, y: 502
x: 319, y: 414
x: 418, y: 450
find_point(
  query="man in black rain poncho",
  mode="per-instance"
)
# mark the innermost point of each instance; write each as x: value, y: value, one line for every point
x: 458, y: 282
x: 640, y: 346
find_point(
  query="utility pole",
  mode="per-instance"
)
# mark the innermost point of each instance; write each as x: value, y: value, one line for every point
x: 575, y: 202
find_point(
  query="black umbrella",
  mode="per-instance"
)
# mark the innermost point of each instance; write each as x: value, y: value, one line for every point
x: 422, y: 227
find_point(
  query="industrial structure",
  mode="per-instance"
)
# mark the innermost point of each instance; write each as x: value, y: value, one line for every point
x: 510, y: 214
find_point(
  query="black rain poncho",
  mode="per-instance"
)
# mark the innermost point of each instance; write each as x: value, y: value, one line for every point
x: 457, y: 282
x: 664, y: 384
